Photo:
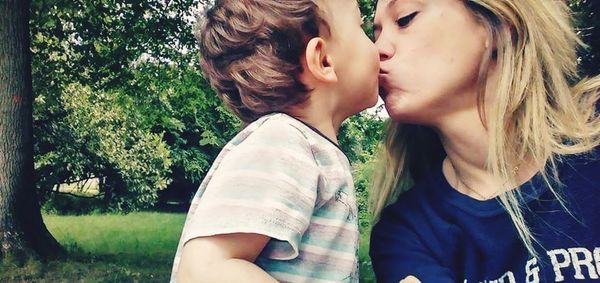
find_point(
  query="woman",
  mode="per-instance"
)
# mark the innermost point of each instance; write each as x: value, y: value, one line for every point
x: 490, y: 171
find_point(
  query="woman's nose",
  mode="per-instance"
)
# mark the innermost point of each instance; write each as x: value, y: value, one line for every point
x: 386, y: 49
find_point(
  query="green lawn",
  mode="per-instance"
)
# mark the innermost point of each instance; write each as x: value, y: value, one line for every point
x: 138, y: 247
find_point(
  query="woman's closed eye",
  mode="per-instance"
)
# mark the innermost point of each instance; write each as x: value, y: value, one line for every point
x: 406, y: 20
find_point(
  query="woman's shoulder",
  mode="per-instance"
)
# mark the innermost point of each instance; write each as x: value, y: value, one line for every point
x: 587, y: 163
x: 581, y: 173
x: 412, y: 232
x: 411, y: 209
x: 402, y: 218
x: 410, y: 202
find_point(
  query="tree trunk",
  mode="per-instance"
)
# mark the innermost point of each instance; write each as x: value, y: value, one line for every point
x: 22, y: 230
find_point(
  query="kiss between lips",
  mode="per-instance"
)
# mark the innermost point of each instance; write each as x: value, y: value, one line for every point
x: 383, y: 76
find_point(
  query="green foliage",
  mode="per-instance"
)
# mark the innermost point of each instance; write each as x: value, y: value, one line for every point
x: 360, y: 138
x: 99, y: 138
x: 362, y: 174
x: 364, y: 260
x: 360, y: 134
x: 178, y: 101
x: 67, y: 204
x: 95, y: 42
x: 367, y: 9
x: 154, y: 110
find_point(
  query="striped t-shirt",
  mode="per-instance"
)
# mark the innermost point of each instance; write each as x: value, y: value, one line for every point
x: 281, y: 178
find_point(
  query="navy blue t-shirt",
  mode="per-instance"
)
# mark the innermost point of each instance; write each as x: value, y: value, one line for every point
x: 437, y: 234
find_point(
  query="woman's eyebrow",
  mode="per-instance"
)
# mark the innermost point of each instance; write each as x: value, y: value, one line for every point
x: 391, y: 3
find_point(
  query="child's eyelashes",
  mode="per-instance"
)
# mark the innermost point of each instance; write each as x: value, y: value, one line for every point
x: 406, y: 20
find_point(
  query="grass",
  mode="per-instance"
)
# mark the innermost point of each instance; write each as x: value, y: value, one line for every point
x: 138, y: 247
x: 149, y: 234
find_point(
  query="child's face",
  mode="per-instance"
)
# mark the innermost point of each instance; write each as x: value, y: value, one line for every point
x: 355, y: 57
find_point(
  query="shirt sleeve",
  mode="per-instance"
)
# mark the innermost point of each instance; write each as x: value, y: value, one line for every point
x: 266, y: 185
x: 397, y: 252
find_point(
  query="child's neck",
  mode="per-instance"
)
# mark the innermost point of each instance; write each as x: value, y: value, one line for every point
x: 318, y: 115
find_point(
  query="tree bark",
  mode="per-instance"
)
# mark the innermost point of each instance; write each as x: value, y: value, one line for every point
x: 23, y: 233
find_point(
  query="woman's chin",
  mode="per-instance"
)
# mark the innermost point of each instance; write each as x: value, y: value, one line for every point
x: 393, y: 105
x: 399, y: 112
x: 394, y: 113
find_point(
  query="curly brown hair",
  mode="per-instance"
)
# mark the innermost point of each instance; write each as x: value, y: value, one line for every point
x: 250, y: 52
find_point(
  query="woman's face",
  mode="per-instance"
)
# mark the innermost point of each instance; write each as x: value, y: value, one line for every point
x: 430, y: 53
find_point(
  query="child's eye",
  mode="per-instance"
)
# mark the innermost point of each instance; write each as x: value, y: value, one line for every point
x: 405, y: 21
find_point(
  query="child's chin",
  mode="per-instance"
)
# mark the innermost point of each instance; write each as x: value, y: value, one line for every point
x: 373, y: 97
x: 368, y: 102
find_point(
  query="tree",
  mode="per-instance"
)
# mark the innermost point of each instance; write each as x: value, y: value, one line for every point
x: 179, y: 102
x: 22, y: 230
x: 140, y: 56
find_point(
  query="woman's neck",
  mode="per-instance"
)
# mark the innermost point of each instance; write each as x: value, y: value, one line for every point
x: 466, y: 143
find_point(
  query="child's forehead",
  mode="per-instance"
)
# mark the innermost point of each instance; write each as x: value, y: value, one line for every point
x: 335, y: 7
x: 336, y: 4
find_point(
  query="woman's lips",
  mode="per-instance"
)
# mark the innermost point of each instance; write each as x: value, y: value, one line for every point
x: 384, y: 79
x: 386, y: 84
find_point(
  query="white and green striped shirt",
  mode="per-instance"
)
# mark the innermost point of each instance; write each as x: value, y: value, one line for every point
x: 283, y: 179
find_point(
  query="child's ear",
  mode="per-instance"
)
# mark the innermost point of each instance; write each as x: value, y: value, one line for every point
x: 318, y: 63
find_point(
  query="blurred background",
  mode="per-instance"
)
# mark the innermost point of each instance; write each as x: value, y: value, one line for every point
x: 125, y: 128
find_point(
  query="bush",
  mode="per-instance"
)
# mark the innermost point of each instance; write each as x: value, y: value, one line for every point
x: 66, y: 204
x: 362, y: 174
x: 101, y: 137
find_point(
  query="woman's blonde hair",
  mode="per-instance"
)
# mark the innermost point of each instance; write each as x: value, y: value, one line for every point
x: 539, y: 113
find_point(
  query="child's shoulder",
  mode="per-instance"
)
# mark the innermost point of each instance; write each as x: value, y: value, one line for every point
x: 274, y: 129
x: 273, y: 143
x: 278, y: 135
x: 272, y: 134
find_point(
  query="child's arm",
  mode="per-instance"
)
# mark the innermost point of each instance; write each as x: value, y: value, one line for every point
x: 266, y: 188
x: 410, y: 279
x: 223, y: 258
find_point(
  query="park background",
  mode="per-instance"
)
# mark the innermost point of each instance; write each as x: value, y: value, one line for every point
x: 118, y: 129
